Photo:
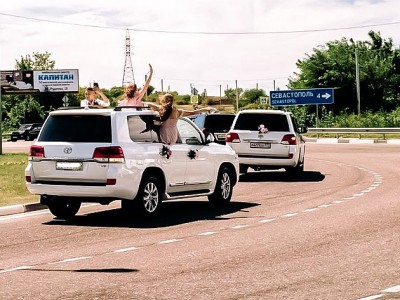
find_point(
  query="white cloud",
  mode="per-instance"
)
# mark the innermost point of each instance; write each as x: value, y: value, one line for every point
x: 180, y: 59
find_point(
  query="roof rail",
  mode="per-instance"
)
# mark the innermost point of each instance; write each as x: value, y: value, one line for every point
x: 69, y: 107
x: 119, y: 108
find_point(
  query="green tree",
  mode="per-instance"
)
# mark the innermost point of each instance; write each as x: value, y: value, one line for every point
x: 333, y: 65
x: 253, y: 95
x: 36, y: 61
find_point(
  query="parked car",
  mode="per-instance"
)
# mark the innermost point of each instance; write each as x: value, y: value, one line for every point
x: 267, y: 139
x: 102, y: 155
x: 26, y: 132
x: 216, y: 124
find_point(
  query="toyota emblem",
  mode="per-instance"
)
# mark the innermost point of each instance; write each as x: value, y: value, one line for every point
x: 67, y: 150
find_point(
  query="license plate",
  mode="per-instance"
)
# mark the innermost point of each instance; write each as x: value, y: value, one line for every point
x: 69, y: 166
x: 263, y: 145
x: 221, y: 136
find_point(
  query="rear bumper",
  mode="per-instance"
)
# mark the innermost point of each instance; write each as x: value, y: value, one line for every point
x: 105, y: 191
x: 268, y: 161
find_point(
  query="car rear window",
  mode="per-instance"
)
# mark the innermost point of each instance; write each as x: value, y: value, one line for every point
x: 218, y: 122
x: 273, y: 122
x: 77, y: 128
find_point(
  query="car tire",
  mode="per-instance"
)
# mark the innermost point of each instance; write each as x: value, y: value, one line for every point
x: 149, y: 197
x: 63, y: 208
x: 13, y: 139
x: 297, y: 170
x: 243, y: 169
x: 223, y: 189
x: 27, y: 137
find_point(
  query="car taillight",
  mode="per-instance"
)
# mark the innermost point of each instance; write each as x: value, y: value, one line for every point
x: 113, y: 154
x: 36, y: 152
x: 289, y: 139
x: 232, y: 137
x: 28, y: 178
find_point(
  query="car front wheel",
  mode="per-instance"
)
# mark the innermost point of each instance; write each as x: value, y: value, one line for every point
x: 63, y: 208
x: 223, y: 189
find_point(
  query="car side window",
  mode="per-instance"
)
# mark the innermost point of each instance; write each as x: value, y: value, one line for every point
x: 143, y: 129
x: 187, y: 130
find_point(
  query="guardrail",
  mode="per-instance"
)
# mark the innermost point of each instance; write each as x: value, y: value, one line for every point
x: 360, y: 131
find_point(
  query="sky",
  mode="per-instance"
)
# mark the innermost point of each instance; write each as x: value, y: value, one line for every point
x: 209, y: 44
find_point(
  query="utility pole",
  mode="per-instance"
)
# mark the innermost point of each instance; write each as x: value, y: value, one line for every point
x: 220, y: 95
x: 162, y: 85
x: 237, y: 97
x: 358, y: 82
x: 257, y: 86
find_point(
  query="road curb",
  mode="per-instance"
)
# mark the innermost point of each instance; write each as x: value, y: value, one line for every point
x: 19, y: 209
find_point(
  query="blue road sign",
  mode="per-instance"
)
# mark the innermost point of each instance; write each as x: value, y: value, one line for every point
x: 301, y: 97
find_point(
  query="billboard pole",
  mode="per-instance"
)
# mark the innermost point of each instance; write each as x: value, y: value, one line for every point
x: 1, y: 129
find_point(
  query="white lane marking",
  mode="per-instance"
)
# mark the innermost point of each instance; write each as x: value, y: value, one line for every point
x: 310, y: 209
x: 239, y: 226
x: 207, y: 233
x: 337, y: 201
x: 348, y: 198
x: 359, y: 195
x: 371, y: 297
x: 125, y: 249
x: 290, y: 215
x: 324, y: 205
x: 393, y: 289
x: 16, y: 269
x: 267, y: 220
x: 170, y: 241
x: 70, y: 260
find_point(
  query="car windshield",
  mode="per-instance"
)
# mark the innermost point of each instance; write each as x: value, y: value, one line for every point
x: 273, y: 122
x: 77, y: 128
x: 219, y: 122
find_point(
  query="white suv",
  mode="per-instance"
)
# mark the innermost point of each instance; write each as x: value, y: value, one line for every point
x: 267, y: 139
x: 101, y: 155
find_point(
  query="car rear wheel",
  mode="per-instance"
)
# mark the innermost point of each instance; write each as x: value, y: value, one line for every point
x: 27, y: 137
x: 297, y: 170
x: 63, y: 208
x: 223, y: 189
x: 243, y: 169
x: 148, y: 200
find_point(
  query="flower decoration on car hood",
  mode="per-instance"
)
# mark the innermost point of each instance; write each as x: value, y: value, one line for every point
x: 165, y: 151
x: 193, y: 154
x: 262, y: 129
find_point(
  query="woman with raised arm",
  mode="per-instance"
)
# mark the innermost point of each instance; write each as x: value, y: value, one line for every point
x: 170, y: 114
x: 133, y: 97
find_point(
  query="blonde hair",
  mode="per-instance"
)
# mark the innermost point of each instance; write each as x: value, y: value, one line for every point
x: 167, y: 106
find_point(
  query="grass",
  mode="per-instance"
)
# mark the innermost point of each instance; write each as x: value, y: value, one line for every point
x: 12, y: 180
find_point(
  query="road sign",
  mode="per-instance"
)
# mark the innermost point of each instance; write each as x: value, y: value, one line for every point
x: 194, y: 99
x: 302, y: 97
x: 263, y: 100
x: 65, y: 101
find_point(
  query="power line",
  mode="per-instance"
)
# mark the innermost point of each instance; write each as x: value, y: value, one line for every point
x: 203, y: 32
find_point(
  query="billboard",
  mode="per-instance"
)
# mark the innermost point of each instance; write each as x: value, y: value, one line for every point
x: 32, y: 82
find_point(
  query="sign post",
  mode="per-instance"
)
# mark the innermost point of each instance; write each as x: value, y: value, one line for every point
x: 302, y: 97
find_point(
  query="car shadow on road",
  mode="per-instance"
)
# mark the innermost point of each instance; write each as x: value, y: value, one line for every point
x: 279, y: 176
x: 172, y: 213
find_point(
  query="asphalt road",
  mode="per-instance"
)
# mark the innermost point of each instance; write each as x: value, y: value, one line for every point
x: 331, y: 234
